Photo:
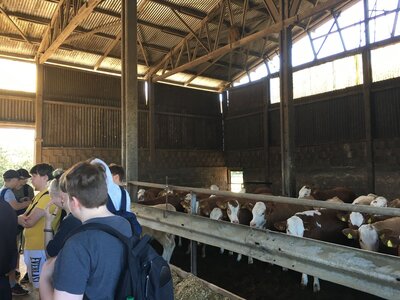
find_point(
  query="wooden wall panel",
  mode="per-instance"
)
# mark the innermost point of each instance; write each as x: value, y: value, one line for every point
x: 16, y: 108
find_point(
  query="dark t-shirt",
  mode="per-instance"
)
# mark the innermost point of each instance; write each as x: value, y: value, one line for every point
x: 8, y: 231
x: 90, y: 262
x: 68, y: 224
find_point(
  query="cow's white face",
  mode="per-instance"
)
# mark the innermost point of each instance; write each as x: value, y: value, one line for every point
x: 368, y: 238
x: 379, y: 202
x: 258, y: 212
x: 305, y: 191
x: 140, y: 194
x: 356, y: 219
x: 295, y: 226
x: 233, y: 211
x: 216, y: 214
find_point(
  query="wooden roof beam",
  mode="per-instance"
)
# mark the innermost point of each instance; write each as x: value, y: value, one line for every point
x: 83, y: 12
x: 153, y: 70
x: 272, y: 10
x: 14, y: 25
x: 108, y: 50
x: 182, y: 9
x: 275, y: 28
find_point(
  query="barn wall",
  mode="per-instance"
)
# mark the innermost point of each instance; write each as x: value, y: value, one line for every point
x: 82, y: 119
x: 329, y: 137
x: 16, y: 108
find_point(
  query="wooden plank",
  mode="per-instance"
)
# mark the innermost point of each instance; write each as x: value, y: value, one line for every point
x: 108, y: 50
x: 82, y: 14
x: 275, y: 28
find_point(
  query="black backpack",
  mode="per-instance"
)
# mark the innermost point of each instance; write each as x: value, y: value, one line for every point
x: 146, y: 275
x: 130, y: 216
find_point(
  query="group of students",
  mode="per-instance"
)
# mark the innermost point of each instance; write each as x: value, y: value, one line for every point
x: 62, y: 264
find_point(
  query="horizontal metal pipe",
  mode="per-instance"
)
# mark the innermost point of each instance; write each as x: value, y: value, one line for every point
x: 386, y: 211
x: 370, y: 272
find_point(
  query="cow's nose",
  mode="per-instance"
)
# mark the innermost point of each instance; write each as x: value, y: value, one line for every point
x: 252, y: 224
x: 235, y: 222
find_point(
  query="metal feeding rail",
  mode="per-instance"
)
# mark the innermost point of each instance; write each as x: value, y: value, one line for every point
x: 370, y: 272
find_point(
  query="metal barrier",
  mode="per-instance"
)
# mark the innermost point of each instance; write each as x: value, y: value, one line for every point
x: 370, y: 272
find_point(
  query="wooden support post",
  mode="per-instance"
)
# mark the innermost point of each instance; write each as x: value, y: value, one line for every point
x: 267, y: 100
x: 286, y: 106
x: 39, y: 114
x: 129, y: 79
x: 367, y: 75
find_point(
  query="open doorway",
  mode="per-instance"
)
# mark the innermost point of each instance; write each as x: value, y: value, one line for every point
x: 236, y: 181
x: 16, y: 149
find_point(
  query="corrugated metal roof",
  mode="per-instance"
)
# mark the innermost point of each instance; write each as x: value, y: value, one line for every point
x: 159, y: 28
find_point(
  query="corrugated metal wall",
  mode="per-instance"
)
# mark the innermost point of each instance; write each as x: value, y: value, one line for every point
x: 16, y: 108
x: 244, y: 117
x: 81, y: 109
x: 187, y: 119
x: 386, y: 111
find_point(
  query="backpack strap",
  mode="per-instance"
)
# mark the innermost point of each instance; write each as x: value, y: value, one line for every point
x: 123, y: 199
x: 111, y: 231
x: 33, y: 206
x: 26, y: 190
x: 110, y: 205
x: 3, y: 193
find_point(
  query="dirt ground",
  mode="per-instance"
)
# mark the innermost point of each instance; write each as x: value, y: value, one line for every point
x: 260, y: 280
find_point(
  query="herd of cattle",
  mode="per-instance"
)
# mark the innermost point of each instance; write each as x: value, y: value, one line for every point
x: 369, y: 232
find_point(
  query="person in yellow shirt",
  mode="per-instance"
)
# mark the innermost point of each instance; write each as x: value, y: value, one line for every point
x: 33, y: 220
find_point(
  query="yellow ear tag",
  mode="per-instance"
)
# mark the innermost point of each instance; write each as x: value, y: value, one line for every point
x: 389, y: 244
x: 369, y: 221
x: 343, y: 219
x: 349, y: 236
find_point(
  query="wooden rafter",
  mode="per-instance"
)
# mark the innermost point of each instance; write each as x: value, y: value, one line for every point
x: 190, y: 29
x: 93, y: 31
x: 182, y: 43
x: 275, y: 28
x: 83, y: 12
x: 294, y: 8
x: 15, y: 25
x: 108, y: 50
x: 272, y: 10
x: 202, y: 70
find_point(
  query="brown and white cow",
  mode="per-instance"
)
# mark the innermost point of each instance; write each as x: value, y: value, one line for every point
x: 343, y: 193
x: 369, y: 235
x: 266, y: 214
x: 166, y: 240
x: 321, y: 224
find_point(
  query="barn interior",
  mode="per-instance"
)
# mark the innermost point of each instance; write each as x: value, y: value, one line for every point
x: 194, y: 93
x: 194, y: 123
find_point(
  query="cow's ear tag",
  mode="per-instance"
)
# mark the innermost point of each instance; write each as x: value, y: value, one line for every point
x: 369, y: 221
x: 343, y: 219
x: 349, y: 236
x: 389, y: 244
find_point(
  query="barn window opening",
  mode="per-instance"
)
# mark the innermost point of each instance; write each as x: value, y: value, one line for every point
x: 16, y: 149
x: 17, y: 75
x: 146, y: 92
x: 236, y: 181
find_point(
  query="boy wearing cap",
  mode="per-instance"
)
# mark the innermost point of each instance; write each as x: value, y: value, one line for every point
x: 23, y: 191
x: 11, y: 178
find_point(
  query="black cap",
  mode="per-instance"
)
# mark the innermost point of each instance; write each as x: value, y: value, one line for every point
x: 23, y: 174
x: 9, y: 174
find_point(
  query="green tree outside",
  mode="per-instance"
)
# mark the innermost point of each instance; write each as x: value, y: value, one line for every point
x: 14, y: 159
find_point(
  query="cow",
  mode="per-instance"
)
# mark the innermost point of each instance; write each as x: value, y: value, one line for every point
x: 237, y: 215
x: 265, y: 214
x: 369, y: 235
x: 149, y: 194
x: 321, y: 224
x: 356, y: 219
x: 166, y: 240
x: 343, y: 193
